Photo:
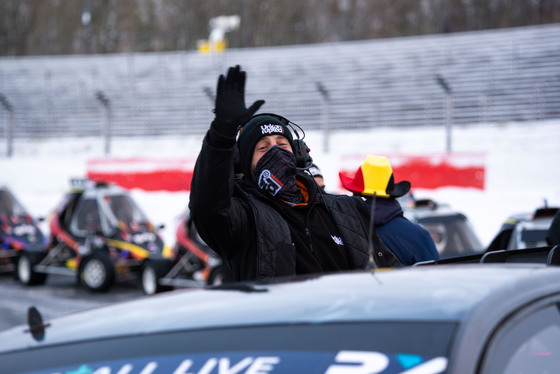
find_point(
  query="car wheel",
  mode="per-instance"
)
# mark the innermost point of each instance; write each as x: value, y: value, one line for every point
x: 97, y: 273
x: 150, y: 275
x: 24, y: 269
x: 219, y: 275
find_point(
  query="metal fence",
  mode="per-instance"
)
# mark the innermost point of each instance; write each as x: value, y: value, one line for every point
x: 463, y: 78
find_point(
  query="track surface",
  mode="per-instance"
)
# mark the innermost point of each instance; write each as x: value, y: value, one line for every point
x: 60, y: 295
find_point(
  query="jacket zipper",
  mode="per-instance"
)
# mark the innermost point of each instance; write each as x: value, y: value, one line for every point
x: 308, y: 235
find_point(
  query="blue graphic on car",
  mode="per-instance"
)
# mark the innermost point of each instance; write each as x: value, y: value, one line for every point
x: 356, y: 362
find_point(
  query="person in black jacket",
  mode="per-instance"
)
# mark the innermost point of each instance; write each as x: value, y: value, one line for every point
x: 273, y: 220
x: 374, y: 181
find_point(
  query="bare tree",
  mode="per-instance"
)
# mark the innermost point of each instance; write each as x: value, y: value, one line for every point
x: 31, y: 27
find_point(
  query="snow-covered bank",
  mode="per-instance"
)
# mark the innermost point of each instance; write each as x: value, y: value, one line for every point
x: 521, y: 162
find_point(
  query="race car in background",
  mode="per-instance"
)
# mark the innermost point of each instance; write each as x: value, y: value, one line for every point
x: 451, y: 231
x: 524, y: 230
x: 99, y: 234
x: 19, y: 231
x: 196, y: 264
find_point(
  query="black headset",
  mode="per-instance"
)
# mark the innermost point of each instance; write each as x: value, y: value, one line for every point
x: 300, y: 149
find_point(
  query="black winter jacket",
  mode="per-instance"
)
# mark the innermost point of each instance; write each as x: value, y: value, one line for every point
x: 260, y: 238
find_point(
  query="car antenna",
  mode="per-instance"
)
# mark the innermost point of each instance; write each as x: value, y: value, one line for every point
x: 35, y: 323
x: 371, y: 262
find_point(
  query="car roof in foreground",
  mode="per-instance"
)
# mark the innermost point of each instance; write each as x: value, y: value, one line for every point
x: 427, y: 293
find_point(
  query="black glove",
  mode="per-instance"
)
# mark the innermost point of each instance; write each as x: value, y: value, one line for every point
x: 230, y: 107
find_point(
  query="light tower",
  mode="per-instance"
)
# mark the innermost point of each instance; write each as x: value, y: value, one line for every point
x: 217, y: 42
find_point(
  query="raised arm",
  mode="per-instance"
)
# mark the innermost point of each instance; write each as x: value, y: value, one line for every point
x: 214, y: 212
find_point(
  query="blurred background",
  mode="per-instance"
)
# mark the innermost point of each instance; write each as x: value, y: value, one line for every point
x: 121, y: 89
x: 462, y: 96
x: 57, y: 27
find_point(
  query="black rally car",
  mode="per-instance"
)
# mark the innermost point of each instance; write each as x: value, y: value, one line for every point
x: 99, y: 234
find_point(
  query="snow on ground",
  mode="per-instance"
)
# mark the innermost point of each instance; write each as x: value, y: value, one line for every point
x: 522, y: 162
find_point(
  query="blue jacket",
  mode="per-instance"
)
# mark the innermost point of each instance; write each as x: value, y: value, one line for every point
x: 409, y: 241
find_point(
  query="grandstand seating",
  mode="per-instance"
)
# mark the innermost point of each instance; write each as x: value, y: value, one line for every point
x: 499, y: 75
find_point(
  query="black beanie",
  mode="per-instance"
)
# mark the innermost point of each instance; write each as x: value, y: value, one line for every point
x: 255, y: 129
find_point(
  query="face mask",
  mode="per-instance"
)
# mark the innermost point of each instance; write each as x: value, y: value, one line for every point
x: 275, y: 173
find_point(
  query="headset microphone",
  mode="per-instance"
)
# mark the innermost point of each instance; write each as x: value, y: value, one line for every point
x: 303, y: 158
